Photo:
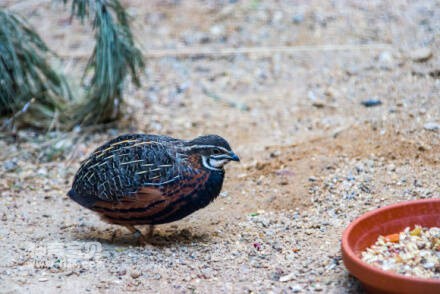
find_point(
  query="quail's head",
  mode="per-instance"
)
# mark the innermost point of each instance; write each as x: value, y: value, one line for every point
x: 214, y: 151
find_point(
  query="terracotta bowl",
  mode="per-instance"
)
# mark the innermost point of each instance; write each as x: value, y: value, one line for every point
x: 365, y: 230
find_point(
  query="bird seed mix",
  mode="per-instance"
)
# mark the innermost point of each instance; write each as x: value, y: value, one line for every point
x: 411, y: 253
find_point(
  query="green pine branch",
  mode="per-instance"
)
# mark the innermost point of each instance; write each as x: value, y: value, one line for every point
x: 114, y: 57
x: 32, y: 92
x: 30, y: 89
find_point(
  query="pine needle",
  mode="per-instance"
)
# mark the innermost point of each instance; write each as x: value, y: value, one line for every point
x: 26, y: 75
x: 114, y: 57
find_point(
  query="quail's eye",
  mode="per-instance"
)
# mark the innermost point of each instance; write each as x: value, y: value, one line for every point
x: 216, y: 151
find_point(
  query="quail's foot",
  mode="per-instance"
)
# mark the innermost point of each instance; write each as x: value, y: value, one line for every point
x: 142, y: 241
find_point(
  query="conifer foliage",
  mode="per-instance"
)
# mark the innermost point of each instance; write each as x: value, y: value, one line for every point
x: 33, y: 93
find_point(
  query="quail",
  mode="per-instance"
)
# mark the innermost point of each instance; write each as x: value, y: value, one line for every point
x: 140, y: 179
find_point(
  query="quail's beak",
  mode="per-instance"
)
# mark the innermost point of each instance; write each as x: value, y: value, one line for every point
x: 234, y: 157
x: 226, y: 157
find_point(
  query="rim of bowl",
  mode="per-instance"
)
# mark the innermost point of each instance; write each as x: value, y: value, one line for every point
x: 350, y: 253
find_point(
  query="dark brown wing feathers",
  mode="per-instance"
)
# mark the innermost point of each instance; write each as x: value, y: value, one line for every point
x: 118, y: 168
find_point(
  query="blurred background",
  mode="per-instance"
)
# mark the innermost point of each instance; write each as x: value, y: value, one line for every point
x: 333, y: 107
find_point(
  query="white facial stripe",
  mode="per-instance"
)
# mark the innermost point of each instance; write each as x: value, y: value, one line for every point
x: 207, y: 163
x: 220, y: 156
x: 218, y: 163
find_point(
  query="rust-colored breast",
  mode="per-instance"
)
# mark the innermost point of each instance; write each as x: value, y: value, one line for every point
x: 151, y: 205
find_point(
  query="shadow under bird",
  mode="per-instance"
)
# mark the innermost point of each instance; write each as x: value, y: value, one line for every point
x: 141, y: 179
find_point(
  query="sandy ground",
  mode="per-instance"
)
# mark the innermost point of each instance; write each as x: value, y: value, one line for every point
x: 313, y: 157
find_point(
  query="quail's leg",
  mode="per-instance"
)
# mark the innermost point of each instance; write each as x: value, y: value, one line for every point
x: 150, y: 231
x: 137, y: 234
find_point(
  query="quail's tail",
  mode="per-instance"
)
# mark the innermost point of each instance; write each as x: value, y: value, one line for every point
x: 87, y: 202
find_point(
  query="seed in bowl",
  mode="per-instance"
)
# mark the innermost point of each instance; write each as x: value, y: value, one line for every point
x: 411, y: 253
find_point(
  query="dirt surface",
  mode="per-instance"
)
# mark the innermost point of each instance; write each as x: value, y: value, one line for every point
x: 313, y: 157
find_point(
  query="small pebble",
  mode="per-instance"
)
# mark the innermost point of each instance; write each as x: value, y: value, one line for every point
x: 10, y: 165
x: 224, y: 194
x: 421, y: 54
x: 217, y: 30
x: 257, y: 246
x: 317, y: 101
x: 288, y: 277
x: 431, y: 126
x: 135, y: 274
x: 298, y: 18
x: 296, y: 288
x: 386, y: 60
x: 318, y: 287
x: 371, y: 102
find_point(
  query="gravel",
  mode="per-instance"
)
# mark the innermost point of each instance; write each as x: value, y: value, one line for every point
x: 313, y: 157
